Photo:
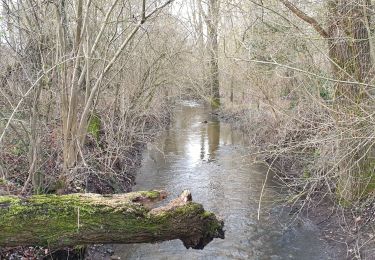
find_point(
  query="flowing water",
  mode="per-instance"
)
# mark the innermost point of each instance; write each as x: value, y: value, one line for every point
x: 212, y: 160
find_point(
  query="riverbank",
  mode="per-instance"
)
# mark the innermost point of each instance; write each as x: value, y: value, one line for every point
x: 149, y: 127
x: 347, y: 229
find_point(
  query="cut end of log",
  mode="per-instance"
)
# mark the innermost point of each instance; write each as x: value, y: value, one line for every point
x: 215, y: 230
x: 212, y: 226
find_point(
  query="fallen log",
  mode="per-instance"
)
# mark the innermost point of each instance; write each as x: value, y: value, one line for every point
x: 80, y: 219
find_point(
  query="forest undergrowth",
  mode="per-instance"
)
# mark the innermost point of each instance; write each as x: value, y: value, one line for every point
x: 300, y: 147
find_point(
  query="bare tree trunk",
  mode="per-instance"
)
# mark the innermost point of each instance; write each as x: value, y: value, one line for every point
x: 349, y: 47
x: 350, y: 52
x: 199, y: 14
x: 34, y: 146
x: 75, y: 119
x: 212, y: 22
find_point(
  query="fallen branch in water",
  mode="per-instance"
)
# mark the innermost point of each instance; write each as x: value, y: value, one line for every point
x: 81, y: 219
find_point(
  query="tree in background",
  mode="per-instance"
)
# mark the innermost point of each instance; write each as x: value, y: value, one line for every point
x: 67, y: 59
x: 212, y: 18
x: 348, y: 35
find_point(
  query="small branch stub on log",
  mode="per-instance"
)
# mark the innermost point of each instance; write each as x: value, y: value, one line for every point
x: 81, y: 219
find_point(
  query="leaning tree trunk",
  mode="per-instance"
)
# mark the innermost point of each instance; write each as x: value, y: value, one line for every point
x: 350, y: 53
x: 79, y: 219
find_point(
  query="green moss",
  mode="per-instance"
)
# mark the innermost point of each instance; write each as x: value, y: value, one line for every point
x: 55, y: 218
x: 362, y: 185
x: 325, y: 93
x: 306, y: 174
x: 94, y: 126
x: 52, y: 220
x: 215, y: 103
x: 151, y: 194
x: 189, y: 208
x: 8, y: 199
x: 317, y: 153
x: 370, y: 187
x: 214, y: 228
x: 181, y: 211
x: 207, y: 214
x: 368, y: 181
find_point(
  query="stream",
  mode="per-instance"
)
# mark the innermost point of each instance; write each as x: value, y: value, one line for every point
x: 208, y: 157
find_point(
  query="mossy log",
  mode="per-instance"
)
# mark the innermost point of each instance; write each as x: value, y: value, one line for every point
x: 79, y: 219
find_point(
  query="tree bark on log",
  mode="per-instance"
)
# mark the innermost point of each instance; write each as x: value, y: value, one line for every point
x: 80, y: 219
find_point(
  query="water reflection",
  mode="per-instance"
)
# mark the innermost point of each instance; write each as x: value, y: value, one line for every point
x: 213, y: 133
x: 210, y: 141
x: 211, y: 160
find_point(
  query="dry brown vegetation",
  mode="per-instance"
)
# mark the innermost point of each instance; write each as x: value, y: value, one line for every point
x: 84, y: 84
x: 307, y: 103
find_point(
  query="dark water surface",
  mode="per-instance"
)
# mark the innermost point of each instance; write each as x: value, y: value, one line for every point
x: 212, y: 161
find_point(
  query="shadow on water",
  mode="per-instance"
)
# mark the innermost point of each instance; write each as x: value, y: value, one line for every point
x: 212, y: 160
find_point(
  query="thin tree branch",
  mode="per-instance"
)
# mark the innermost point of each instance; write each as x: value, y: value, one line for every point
x: 298, y: 12
x: 82, y: 124
x: 15, y: 110
x: 303, y: 71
